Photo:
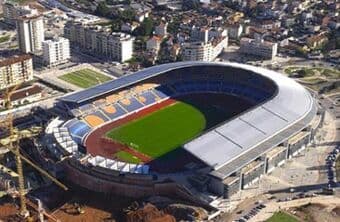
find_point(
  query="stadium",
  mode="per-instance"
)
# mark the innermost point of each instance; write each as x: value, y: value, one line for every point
x: 187, y: 128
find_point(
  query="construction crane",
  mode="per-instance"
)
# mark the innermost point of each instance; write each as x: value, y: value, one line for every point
x: 11, y: 142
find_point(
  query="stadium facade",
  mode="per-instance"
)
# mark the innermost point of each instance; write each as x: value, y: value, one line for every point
x: 282, y: 120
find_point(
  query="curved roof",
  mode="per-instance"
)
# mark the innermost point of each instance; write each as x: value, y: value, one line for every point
x: 232, y: 145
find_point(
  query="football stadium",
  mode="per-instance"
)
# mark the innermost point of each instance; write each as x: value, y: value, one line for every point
x: 193, y: 129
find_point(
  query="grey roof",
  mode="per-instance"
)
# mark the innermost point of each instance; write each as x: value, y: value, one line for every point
x: 234, y: 144
x: 229, y: 147
x: 111, y: 86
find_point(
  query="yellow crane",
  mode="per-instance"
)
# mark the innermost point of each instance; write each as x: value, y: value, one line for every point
x: 12, y: 144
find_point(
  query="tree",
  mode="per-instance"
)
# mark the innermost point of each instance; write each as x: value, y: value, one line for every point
x: 146, y: 27
x: 102, y: 10
x: 128, y: 15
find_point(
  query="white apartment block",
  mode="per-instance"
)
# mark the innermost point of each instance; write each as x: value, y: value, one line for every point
x: 200, y: 51
x: 99, y: 42
x: 197, y: 51
x: 56, y: 51
x: 30, y: 29
x: 258, y: 47
x: 16, y: 69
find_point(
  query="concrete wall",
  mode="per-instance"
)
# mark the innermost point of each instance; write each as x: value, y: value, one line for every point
x: 275, y: 161
x: 253, y: 175
x: 293, y: 149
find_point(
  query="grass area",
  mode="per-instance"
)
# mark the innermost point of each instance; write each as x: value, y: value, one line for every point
x: 282, y: 217
x: 162, y: 131
x: 4, y: 38
x: 313, y: 80
x: 329, y: 73
x: 337, y: 168
x: 84, y: 78
x: 127, y: 157
x: 21, y: 1
x: 304, y: 72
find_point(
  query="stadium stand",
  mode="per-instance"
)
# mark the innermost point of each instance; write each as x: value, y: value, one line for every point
x: 78, y: 129
x: 94, y: 120
x: 65, y: 141
x: 122, y: 167
x: 99, y: 102
x: 149, y: 97
x: 130, y: 104
x: 113, y: 111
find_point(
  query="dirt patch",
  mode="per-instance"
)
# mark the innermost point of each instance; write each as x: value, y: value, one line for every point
x: 315, y: 213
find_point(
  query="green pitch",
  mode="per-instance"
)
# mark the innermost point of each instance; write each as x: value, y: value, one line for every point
x: 127, y: 157
x: 84, y: 78
x: 162, y: 131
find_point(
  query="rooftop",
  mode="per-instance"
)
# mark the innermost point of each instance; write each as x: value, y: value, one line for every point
x: 14, y: 59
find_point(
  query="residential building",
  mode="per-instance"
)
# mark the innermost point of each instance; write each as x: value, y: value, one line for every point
x: 141, y: 15
x: 56, y: 51
x: 100, y: 41
x: 201, y: 51
x: 197, y: 51
x: 30, y: 30
x: 199, y: 34
x: 235, y: 31
x: 11, y: 11
x: 16, y: 69
x: 24, y: 96
x: 154, y: 44
x: 315, y: 41
x: 161, y: 29
x: 129, y: 27
x: 258, y: 47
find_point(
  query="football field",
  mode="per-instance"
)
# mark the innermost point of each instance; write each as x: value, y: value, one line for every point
x: 85, y: 78
x: 162, y: 131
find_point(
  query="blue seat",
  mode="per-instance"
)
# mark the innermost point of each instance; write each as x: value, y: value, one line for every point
x: 77, y: 129
x: 134, y: 104
x: 150, y: 98
x: 101, y: 115
x: 113, y: 115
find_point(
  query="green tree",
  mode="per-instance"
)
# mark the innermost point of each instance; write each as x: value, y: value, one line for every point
x: 102, y: 10
x: 128, y: 15
x: 146, y: 27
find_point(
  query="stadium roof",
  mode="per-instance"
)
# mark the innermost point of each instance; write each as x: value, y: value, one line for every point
x: 239, y: 141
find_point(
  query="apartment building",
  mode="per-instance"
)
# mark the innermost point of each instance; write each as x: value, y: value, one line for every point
x: 258, y: 47
x: 201, y: 51
x: 12, y: 10
x: 16, y: 69
x: 30, y: 29
x: 56, y: 51
x: 100, y: 41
